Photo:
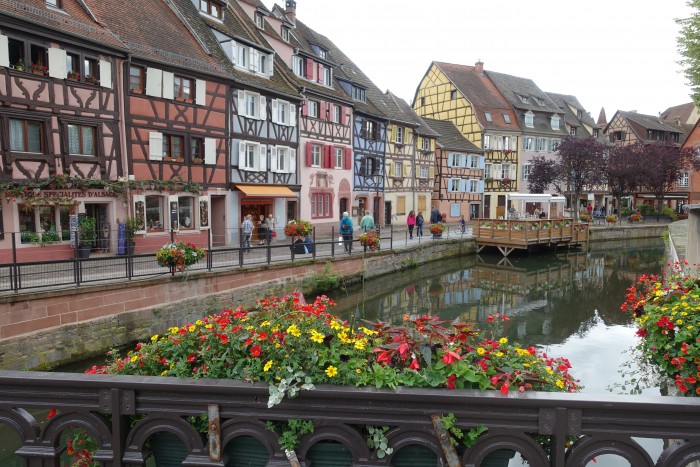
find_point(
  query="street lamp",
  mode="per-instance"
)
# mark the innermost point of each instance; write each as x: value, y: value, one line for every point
x: 378, y: 180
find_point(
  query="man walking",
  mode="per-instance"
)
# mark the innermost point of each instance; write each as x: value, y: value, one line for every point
x: 346, y: 231
x: 246, y: 232
x: 367, y: 222
x: 435, y: 216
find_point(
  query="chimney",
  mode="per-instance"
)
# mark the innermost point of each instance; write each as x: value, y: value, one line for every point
x: 479, y: 66
x: 291, y: 10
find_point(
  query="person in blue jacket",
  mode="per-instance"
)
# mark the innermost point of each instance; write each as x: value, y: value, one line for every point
x: 346, y: 229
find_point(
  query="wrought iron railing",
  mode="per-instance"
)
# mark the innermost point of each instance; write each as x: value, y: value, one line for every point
x: 122, y: 413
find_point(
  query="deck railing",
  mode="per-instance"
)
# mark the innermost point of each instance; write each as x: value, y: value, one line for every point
x: 123, y: 412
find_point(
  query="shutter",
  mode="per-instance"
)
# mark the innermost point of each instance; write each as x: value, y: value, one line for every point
x: 292, y: 115
x: 274, y: 159
x: 168, y: 85
x: 343, y: 117
x: 322, y: 110
x: 319, y: 78
x: 140, y: 208
x: 105, y: 73
x: 204, y: 213
x: 309, y: 69
x: 200, y: 92
x: 241, y: 102
x: 391, y: 169
x: 513, y: 172
x: 406, y: 170
x: 241, y: 155
x: 347, y: 158
x: 482, y: 162
x: 469, y: 161
x: 309, y: 158
x: 262, y: 150
x: 210, y: 151
x: 481, y: 186
x: 275, y: 109
x: 254, y: 57
x: 496, y: 172
x: 155, y: 146
x: 271, y: 64
x: 464, y: 186
x: 58, y: 62
x: 262, y: 114
x: 293, y: 161
x: 174, y: 209
x: 154, y: 82
x: 4, y: 51
x: 305, y: 108
x: 431, y: 172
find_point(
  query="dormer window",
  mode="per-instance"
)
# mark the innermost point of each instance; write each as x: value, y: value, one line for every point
x: 529, y: 120
x: 358, y: 94
x: 506, y: 118
x: 539, y: 101
x: 523, y: 99
x: 54, y: 3
x: 259, y: 22
x: 212, y: 8
x: 579, y: 113
x: 322, y: 53
x: 285, y: 34
x: 487, y: 115
x: 555, y: 122
x: 245, y: 56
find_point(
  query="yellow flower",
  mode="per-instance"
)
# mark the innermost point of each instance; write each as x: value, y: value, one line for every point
x: 198, y: 322
x: 173, y: 330
x: 265, y: 324
x: 560, y: 384
x: 294, y: 330
x: 192, y: 328
x: 331, y: 371
x: 358, y: 371
x: 368, y: 332
x: 316, y: 336
x: 503, y: 340
x: 134, y: 358
x: 164, y: 372
x: 549, y: 370
x: 499, y: 354
x: 481, y: 351
x: 336, y: 326
x: 154, y: 337
x: 267, y: 366
x: 343, y: 336
x: 360, y: 344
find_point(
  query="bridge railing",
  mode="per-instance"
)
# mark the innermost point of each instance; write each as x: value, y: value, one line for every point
x: 123, y: 413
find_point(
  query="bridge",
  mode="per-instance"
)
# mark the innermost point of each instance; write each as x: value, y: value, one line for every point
x: 510, y: 235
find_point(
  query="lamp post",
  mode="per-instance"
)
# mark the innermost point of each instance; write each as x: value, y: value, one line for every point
x: 378, y: 180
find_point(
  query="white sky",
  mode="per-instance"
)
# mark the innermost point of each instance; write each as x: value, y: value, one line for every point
x: 617, y: 54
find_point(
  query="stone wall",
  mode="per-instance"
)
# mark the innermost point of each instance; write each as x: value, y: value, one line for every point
x: 47, y: 329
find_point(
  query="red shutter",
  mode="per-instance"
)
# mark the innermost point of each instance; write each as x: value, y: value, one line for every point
x: 319, y: 78
x: 308, y: 153
x: 309, y: 69
x: 343, y: 118
x: 305, y: 107
x: 322, y: 110
x: 347, y: 160
x: 327, y: 157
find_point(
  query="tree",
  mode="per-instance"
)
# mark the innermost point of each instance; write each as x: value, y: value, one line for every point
x: 662, y: 166
x: 543, y: 173
x: 623, y: 171
x: 689, y: 48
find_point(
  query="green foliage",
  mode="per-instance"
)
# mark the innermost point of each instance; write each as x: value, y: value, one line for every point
x: 689, y: 48
x: 376, y: 439
x: 409, y: 263
x: 457, y: 435
x: 290, y: 431
x: 87, y: 231
x: 132, y: 225
x: 645, y: 209
x: 326, y: 280
x: 666, y: 211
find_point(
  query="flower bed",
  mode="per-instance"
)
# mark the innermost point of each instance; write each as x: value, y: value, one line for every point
x: 298, y: 228
x: 179, y: 255
x: 665, y: 311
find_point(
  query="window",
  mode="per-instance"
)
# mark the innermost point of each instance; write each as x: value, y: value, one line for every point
x: 322, y: 53
x: 321, y: 205
x: 211, y: 7
x: 184, y: 88
x: 504, y: 142
x: 473, y: 161
x: 555, y: 122
x: 81, y: 140
x: 259, y: 21
x: 251, y: 104
x: 338, y: 157
x: 369, y: 130
x: 683, y: 180
x: 248, y: 155
x: 595, y: 132
x: 455, y: 160
x: 369, y: 166
x: 488, y: 117
x: 358, y: 94
x: 185, y: 212
x: 26, y: 136
x: 526, y: 171
x: 422, y: 101
x: 529, y: 119
x: 488, y: 170
x: 528, y: 143
x: 197, y: 149
x: 313, y: 109
x: 398, y: 169
x: 425, y: 144
x: 47, y: 224
x: 92, y: 70
x: 336, y: 113
x: 316, y: 155
x: 487, y: 142
x: 137, y: 79
x: 281, y: 162
x: 399, y: 135
x: 506, y: 118
x: 579, y: 113
x: 523, y: 99
x: 573, y: 131
x: 54, y: 3
x: 285, y: 34
x: 453, y: 95
x: 541, y: 144
x: 454, y: 185
x: 173, y: 146
x: 154, y: 213
x: 283, y: 112
x: 299, y: 66
x: 424, y: 171
x: 73, y: 65
x: 22, y: 54
x: 506, y: 171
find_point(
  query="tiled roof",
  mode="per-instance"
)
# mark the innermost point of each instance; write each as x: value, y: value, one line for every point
x: 682, y: 112
x: 410, y: 114
x: 650, y: 122
x: 482, y: 93
x: 450, y: 137
x: 76, y: 20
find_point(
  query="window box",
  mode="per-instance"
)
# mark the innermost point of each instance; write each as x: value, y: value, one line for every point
x: 197, y: 161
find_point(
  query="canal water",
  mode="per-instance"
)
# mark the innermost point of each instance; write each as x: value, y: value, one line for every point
x: 566, y: 302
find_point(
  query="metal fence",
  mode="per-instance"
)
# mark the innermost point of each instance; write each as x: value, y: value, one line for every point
x: 122, y: 413
x: 223, y: 251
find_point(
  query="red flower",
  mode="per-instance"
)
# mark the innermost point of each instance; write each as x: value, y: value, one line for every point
x: 504, y: 388
x: 52, y: 413
x: 414, y: 365
x: 451, y: 381
x: 255, y: 351
x: 450, y: 357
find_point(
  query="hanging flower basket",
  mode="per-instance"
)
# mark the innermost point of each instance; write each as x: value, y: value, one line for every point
x: 370, y: 240
x: 298, y: 228
x: 611, y: 218
x: 437, y: 229
x: 179, y: 256
x: 635, y: 218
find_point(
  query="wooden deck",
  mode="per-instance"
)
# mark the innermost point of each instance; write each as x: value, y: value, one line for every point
x: 510, y: 235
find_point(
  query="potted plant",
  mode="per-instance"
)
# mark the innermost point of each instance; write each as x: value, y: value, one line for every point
x: 131, y: 226
x: 611, y: 218
x: 298, y: 228
x: 20, y: 66
x: 518, y: 226
x: 369, y: 240
x: 39, y: 69
x: 91, y: 79
x: 87, y: 235
x: 73, y: 75
x: 636, y: 217
x: 179, y: 256
x: 197, y: 160
x: 437, y: 230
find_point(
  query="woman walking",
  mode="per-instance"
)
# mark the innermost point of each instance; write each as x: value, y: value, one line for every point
x: 419, y: 224
x: 411, y: 222
x: 262, y: 230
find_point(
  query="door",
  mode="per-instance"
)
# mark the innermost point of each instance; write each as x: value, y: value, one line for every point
x: 99, y: 212
x: 343, y: 207
x: 387, y: 212
x: 218, y: 220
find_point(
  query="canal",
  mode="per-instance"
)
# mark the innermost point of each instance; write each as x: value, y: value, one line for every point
x: 565, y: 302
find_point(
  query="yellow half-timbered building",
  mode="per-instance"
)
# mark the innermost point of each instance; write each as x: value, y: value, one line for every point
x: 467, y: 97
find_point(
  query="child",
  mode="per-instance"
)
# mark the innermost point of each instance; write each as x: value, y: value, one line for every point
x: 463, y: 223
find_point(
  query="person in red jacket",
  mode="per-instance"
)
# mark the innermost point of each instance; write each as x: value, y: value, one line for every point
x: 411, y: 222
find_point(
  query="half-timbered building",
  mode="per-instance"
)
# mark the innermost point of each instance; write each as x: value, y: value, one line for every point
x: 459, y: 178
x: 467, y: 97
x: 263, y: 112
x: 690, y: 180
x: 175, y: 123
x: 60, y: 118
x: 410, y: 161
x: 325, y: 130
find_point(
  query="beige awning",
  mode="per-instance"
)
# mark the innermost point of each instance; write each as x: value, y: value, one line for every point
x: 262, y: 191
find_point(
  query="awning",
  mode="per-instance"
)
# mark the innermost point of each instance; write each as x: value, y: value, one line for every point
x: 262, y: 191
x: 530, y: 197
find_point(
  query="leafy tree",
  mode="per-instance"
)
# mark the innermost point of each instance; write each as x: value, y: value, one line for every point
x: 662, y: 166
x: 689, y: 48
x: 543, y: 173
x: 623, y: 171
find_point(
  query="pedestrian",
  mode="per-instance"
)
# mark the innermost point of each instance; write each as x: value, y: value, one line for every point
x: 411, y: 222
x: 346, y: 232
x: 367, y: 222
x: 589, y: 208
x: 462, y: 224
x: 435, y: 216
x: 419, y: 224
x: 262, y: 229
x: 270, y: 228
x: 246, y: 232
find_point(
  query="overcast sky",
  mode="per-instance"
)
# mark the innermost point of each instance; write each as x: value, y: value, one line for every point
x: 617, y: 54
